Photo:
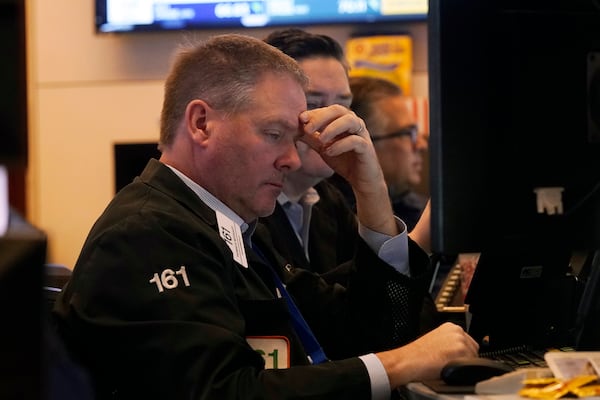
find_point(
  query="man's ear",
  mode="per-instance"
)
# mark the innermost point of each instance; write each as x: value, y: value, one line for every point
x: 196, y: 118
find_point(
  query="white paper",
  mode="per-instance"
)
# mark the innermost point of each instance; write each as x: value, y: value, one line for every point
x: 569, y: 364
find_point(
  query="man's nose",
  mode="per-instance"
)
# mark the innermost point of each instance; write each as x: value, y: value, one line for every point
x: 290, y: 160
x: 421, y: 144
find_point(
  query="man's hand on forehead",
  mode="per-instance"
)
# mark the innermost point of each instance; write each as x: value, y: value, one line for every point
x: 325, y: 126
x: 312, y: 140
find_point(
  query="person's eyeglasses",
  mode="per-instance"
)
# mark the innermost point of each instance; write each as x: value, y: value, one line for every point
x: 411, y: 131
x: 318, y: 100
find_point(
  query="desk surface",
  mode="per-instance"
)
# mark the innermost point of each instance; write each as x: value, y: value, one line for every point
x: 419, y: 391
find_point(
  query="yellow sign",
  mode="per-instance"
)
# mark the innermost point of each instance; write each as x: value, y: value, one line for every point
x: 385, y: 56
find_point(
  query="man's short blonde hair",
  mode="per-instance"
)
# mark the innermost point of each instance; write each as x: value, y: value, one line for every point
x: 223, y: 71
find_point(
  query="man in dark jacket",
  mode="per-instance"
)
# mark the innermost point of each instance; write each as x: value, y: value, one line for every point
x: 174, y: 294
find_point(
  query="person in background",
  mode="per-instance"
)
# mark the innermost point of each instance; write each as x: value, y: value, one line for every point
x: 178, y: 292
x: 381, y: 104
x: 309, y: 208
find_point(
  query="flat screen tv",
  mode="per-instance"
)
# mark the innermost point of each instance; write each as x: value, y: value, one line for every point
x: 163, y: 15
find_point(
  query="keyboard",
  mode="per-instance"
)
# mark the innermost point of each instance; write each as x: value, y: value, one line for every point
x: 523, y: 356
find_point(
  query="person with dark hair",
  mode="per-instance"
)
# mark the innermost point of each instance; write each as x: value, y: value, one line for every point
x: 310, y: 208
x: 385, y: 110
x: 178, y: 293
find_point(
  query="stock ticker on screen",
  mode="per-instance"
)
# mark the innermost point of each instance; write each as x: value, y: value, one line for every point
x: 156, y: 15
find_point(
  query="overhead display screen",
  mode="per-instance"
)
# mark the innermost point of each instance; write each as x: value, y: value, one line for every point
x: 159, y: 15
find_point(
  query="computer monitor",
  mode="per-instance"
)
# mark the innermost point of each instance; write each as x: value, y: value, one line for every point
x: 515, y: 108
x: 13, y: 84
x: 130, y: 160
x: 587, y: 323
x: 22, y: 259
x: 514, y: 97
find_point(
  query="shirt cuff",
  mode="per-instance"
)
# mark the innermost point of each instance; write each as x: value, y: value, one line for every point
x: 380, y: 384
x: 391, y: 249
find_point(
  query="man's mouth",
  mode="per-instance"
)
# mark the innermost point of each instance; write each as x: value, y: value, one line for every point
x: 278, y: 185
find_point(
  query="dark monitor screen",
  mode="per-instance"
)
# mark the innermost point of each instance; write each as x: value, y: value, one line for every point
x: 514, y: 107
x: 13, y: 86
x: 587, y: 320
x: 514, y: 98
x: 522, y: 293
x: 22, y: 259
x: 130, y: 160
